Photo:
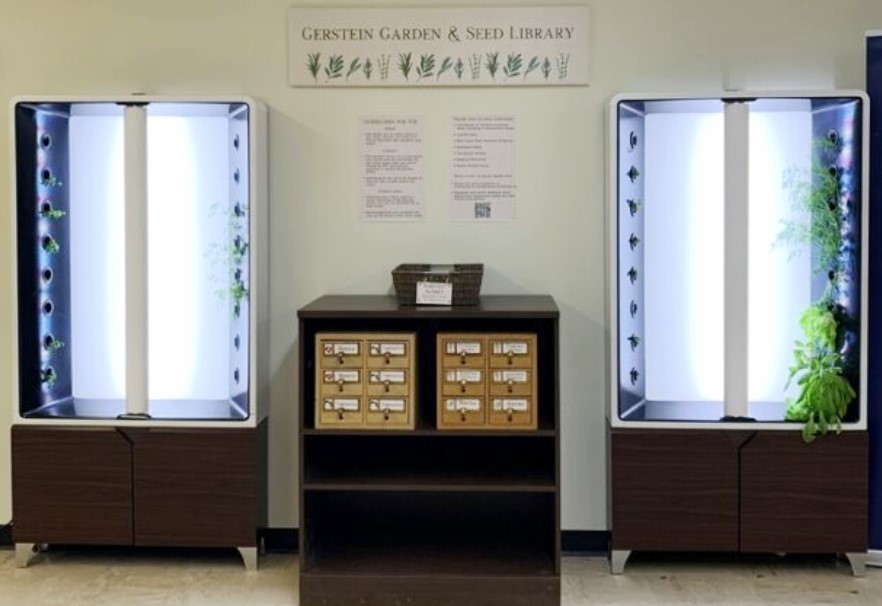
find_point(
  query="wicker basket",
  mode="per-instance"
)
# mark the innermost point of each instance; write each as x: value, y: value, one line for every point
x: 466, y: 280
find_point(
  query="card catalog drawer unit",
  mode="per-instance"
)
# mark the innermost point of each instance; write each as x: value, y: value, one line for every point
x: 339, y: 351
x: 341, y: 382
x: 393, y: 412
x: 458, y: 413
x: 461, y: 382
x: 512, y: 351
x: 479, y: 370
x: 462, y: 351
x: 340, y: 411
x: 514, y: 412
x: 365, y: 380
x: 505, y: 382
x: 393, y: 352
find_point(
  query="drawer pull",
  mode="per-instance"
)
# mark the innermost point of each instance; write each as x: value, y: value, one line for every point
x: 340, y: 414
x: 510, y: 414
x: 510, y: 357
x: 462, y: 416
x: 510, y: 386
x: 388, y: 357
x: 340, y: 358
x: 462, y: 385
x: 462, y: 358
x: 385, y: 414
x: 340, y: 385
x: 386, y: 386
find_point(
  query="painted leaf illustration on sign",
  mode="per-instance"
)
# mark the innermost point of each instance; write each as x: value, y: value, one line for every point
x: 531, y: 66
x: 512, y: 65
x: 458, y: 68
x: 334, y: 68
x: 313, y: 64
x: 405, y: 64
x: 354, y: 66
x: 367, y: 68
x: 492, y: 64
x: 445, y: 65
x: 427, y: 66
x: 475, y: 66
x: 546, y: 68
x: 562, y: 63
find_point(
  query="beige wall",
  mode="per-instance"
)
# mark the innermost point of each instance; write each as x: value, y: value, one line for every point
x: 318, y: 243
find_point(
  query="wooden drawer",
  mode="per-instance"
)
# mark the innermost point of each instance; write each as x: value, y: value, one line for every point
x: 390, y: 351
x: 343, y: 411
x: 339, y: 350
x: 517, y: 382
x: 512, y: 412
x: 460, y: 382
x: 392, y: 412
x: 395, y: 382
x: 462, y: 350
x: 512, y: 351
x: 341, y: 382
x: 457, y: 413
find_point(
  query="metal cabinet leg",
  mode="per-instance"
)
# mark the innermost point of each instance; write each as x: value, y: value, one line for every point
x: 27, y: 553
x: 249, y: 557
x: 617, y: 560
x: 858, y: 563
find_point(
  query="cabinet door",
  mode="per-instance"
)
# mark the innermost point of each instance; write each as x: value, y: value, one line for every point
x: 196, y: 487
x: 674, y: 490
x: 804, y: 498
x: 71, y: 485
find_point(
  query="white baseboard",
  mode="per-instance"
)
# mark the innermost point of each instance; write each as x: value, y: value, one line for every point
x: 874, y: 558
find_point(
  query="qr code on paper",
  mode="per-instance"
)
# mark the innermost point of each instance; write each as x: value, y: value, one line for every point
x: 482, y: 210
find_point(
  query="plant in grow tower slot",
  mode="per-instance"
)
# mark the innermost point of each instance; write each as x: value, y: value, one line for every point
x: 821, y: 361
x: 824, y: 393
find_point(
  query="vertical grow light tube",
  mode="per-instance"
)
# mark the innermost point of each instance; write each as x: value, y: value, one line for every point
x: 737, y: 175
x: 136, y: 260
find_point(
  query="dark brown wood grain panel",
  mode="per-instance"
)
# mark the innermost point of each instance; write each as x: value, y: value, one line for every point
x: 71, y: 485
x: 196, y: 487
x: 437, y: 590
x: 674, y: 490
x: 804, y: 498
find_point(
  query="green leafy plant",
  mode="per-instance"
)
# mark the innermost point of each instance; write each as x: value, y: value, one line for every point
x: 50, y: 245
x: 334, y: 68
x: 313, y: 64
x: 405, y: 64
x: 52, y: 345
x: 48, y: 377
x: 817, y: 366
x: 815, y: 196
x: 52, y: 213
x: 367, y: 68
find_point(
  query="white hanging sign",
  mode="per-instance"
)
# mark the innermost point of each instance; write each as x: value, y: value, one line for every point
x: 487, y: 46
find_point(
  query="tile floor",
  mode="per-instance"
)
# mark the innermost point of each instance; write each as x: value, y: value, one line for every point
x: 217, y: 578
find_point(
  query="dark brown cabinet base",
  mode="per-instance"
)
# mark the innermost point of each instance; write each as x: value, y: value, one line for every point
x: 201, y: 487
x: 737, y: 491
x: 429, y: 516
